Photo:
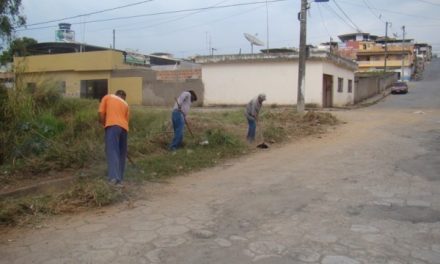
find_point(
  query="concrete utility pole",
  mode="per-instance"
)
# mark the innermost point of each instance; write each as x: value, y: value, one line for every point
x: 302, y: 57
x: 386, y: 47
x: 402, y: 73
x: 302, y: 16
x: 267, y: 27
x: 114, y: 39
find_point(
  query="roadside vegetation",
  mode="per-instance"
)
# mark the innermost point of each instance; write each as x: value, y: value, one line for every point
x: 44, y: 136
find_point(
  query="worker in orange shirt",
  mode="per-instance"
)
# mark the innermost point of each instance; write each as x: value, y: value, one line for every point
x: 113, y: 115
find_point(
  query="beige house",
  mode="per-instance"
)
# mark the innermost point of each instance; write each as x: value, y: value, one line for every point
x: 86, y: 71
x: 235, y: 79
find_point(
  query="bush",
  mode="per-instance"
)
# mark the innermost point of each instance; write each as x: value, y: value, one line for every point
x: 42, y: 131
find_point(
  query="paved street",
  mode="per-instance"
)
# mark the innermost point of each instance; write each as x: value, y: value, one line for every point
x: 367, y: 192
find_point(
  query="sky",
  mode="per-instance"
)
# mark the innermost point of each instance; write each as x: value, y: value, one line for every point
x: 187, y: 28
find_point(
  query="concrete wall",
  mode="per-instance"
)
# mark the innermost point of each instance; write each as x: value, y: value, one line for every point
x: 162, y: 92
x: 235, y: 83
x: 368, y: 85
x: 159, y: 93
x: 345, y: 97
x: 132, y: 87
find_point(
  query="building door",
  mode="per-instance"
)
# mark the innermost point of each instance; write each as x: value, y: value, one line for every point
x: 94, y: 89
x: 327, y: 91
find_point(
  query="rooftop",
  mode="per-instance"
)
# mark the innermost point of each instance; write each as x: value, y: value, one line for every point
x: 262, y: 57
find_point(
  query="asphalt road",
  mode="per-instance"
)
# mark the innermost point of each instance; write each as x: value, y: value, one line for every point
x: 367, y: 192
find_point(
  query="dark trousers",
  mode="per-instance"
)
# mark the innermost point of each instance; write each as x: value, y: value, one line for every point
x: 251, y: 130
x: 178, y: 126
x: 116, y: 152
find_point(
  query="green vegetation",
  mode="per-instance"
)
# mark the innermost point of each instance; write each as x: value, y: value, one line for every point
x: 45, y: 136
x: 17, y: 47
x: 10, y: 18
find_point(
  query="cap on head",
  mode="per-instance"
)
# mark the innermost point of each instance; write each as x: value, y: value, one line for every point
x: 262, y: 97
x: 193, y: 95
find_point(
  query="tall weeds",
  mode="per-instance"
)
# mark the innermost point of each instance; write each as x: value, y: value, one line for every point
x: 41, y: 131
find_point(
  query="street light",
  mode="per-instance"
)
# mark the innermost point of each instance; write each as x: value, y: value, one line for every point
x: 302, y: 17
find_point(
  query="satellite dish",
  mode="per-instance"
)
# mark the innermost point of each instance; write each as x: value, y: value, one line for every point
x: 253, y: 40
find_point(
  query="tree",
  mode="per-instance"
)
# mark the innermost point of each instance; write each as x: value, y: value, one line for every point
x: 10, y: 18
x: 17, y: 47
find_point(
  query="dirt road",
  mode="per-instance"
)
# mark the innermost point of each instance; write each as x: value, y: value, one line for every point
x: 367, y: 192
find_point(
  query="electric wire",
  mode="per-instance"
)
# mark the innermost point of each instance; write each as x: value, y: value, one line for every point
x: 162, y: 13
x: 368, y: 5
x: 345, y: 14
x: 173, y: 19
x: 392, y: 12
x: 199, y: 25
x: 88, y: 14
x: 323, y: 22
x: 339, y: 16
x: 428, y: 2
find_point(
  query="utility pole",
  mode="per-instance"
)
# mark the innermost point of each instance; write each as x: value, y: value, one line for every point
x: 300, y: 106
x: 267, y: 28
x: 403, y: 53
x: 212, y: 51
x: 386, y: 47
x: 302, y: 17
x: 114, y: 39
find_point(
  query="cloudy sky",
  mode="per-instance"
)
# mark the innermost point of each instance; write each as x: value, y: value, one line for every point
x: 188, y: 27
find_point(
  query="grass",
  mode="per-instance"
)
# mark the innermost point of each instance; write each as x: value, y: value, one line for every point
x: 86, y: 193
x: 45, y: 134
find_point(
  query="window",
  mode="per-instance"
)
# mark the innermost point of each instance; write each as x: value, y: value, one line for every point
x: 95, y: 89
x: 62, y: 87
x: 350, y: 86
x: 340, y: 85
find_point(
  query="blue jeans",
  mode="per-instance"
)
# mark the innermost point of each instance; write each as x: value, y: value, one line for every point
x: 116, y: 152
x: 251, y: 130
x: 178, y: 126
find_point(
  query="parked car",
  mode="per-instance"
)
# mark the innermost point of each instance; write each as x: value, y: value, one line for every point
x: 399, y: 88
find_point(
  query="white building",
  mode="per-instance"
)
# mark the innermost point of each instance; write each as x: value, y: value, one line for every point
x: 235, y: 79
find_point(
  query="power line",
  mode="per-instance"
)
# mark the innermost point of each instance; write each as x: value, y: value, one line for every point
x: 173, y: 19
x: 371, y: 10
x: 198, y: 25
x: 88, y: 14
x: 341, y: 18
x: 421, y: 26
x: 323, y: 21
x: 392, y: 12
x: 428, y: 2
x: 164, y: 13
x: 345, y: 14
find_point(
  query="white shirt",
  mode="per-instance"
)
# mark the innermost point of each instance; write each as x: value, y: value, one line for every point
x: 184, y: 101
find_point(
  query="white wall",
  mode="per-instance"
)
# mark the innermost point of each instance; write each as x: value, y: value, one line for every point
x: 344, y: 98
x: 238, y: 82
